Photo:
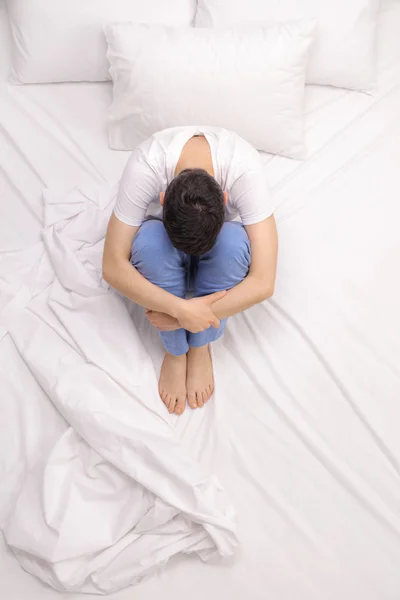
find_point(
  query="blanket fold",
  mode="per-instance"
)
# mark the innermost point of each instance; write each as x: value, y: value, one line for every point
x: 118, y: 495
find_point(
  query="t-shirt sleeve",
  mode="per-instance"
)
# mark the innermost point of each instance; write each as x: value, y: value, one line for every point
x: 139, y: 186
x: 250, y: 196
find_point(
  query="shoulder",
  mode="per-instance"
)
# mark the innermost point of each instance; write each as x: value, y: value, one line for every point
x: 238, y: 157
x: 153, y: 151
x: 245, y: 153
x: 237, y: 148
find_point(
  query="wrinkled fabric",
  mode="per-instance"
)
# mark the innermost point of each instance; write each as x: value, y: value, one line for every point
x: 117, y: 495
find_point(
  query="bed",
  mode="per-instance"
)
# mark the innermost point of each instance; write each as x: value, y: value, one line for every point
x: 303, y: 429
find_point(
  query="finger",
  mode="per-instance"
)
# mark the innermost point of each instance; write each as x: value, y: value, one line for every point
x: 147, y: 310
x: 215, y: 297
x: 216, y: 323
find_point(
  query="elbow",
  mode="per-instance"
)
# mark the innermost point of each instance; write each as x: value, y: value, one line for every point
x: 266, y: 291
x: 107, y: 271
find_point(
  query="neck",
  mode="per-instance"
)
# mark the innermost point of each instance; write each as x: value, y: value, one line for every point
x: 206, y: 168
x: 196, y: 154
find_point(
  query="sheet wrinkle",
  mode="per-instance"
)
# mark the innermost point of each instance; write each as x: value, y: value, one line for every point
x: 346, y: 477
x: 9, y: 138
x: 379, y: 442
x: 78, y: 149
x: 69, y: 144
x: 307, y: 432
x: 18, y: 192
x: 304, y: 199
x: 297, y: 167
x: 281, y: 505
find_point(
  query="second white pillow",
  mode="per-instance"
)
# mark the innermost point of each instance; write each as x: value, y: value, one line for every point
x: 343, y: 54
x: 249, y: 81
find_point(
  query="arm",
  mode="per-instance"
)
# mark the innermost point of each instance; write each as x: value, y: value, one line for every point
x: 121, y: 275
x: 256, y: 287
x: 259, y: 283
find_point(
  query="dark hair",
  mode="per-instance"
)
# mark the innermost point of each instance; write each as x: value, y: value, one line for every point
x: 193, y: 211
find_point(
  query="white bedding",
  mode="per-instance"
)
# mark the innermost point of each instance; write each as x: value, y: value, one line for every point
x: 303, y: 429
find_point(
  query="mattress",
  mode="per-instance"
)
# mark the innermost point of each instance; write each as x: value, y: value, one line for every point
x: 302, y: 431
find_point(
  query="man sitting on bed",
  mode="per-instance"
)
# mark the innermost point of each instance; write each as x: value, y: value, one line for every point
x: 172, y: 232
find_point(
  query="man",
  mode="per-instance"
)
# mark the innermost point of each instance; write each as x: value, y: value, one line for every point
x: 172, y: 230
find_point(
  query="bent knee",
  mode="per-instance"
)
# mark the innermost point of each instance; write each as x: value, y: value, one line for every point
x: 152, y: 252
x: 151, y: 237
x: 233, y: 243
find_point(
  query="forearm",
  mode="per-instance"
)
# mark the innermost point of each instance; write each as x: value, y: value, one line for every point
x: 123, y: 277
x: 247, y: 293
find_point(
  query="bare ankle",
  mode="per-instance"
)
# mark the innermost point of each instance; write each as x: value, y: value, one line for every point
x: 179, y: 357
x: 198, y: 350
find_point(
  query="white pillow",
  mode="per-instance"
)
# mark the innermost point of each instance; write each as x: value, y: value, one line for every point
x: 250, y: 81
x: 63, y: 40
x: 343, y: 54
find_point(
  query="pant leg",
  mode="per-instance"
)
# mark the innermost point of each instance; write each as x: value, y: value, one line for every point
x: 154, y: 256
x: 223, y: 267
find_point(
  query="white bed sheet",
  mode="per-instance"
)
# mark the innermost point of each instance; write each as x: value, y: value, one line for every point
x: 308, y: 427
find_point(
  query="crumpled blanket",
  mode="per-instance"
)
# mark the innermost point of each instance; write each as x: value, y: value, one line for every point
x: 120, y: 491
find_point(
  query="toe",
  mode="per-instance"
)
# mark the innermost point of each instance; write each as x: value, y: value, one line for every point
x: 210, y: 391
x: 163, y: 396
x: 200, y: 402
x: 172, y: 403
x: 192, y: 400
x: 180, y: 405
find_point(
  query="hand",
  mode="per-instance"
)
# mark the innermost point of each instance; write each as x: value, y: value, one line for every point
x: 196, y: 314
x: 162, y: 321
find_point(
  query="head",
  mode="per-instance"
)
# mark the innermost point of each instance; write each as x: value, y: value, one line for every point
x: 194, y: 211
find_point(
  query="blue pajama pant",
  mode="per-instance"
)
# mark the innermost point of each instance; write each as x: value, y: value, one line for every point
x: 223, y: 267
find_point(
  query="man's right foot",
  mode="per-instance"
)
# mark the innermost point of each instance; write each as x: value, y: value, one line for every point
x: 172, y: 384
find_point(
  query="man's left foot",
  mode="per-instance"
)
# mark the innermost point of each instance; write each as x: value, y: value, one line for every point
x: 199, y: 378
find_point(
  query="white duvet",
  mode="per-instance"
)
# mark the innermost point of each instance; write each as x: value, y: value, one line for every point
x: 117, y: 494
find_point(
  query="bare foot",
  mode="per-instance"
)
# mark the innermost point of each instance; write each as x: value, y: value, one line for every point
x: 172, y: 384
x: 200, y: 378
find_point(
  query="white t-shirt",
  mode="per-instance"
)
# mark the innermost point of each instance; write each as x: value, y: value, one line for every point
x: 237, y: 168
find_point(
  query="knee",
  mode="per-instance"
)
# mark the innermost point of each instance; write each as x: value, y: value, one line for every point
x: 151, y: 248
x: 150, y: 237
x: 233, y: 246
